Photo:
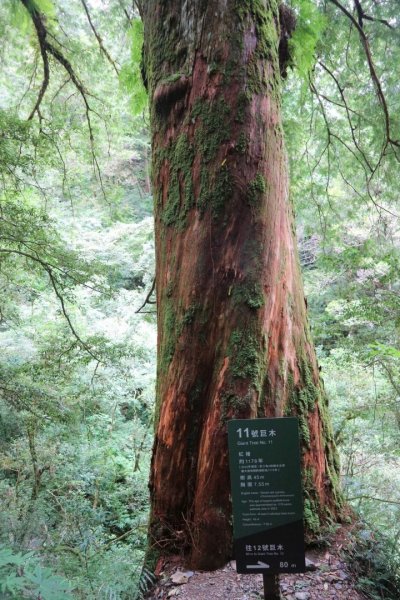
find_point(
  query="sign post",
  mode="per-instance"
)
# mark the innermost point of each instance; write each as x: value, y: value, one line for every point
x: 264, y: 460
x: 271, y: 587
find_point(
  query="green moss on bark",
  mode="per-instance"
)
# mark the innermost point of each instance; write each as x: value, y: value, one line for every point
x: 311, y: 516
x: 189, y: 315
x: 304, y: 430
x: 229, y: 69
x: 303, y: 400
x: 180, y: 199
x: 215, y: 192
x: 244, y: 350
x: 213, y: 128
x: 265, y: 21
x: 242, y: 143
x: 312, y: 507
x: 169, y: 336
x: 173, y: 78
x: 256, y: 189
x: 243, y: 103
x: 163, y: 45
x: 266, y: 26
x: 249, y: 293
x: 233, y: 402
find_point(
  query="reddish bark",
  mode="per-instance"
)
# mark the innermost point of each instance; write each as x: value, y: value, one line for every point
x: 233, y: 337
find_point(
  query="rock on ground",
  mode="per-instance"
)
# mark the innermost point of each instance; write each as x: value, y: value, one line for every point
x: 328, y: 576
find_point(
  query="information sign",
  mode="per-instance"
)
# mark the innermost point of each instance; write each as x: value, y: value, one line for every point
x: 264, y: 459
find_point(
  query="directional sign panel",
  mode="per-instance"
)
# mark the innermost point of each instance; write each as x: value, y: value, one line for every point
x: 264, y: 459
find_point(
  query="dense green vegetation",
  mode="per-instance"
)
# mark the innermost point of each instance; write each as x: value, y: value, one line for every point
x: 77, y: 368
x: 345, y: 190
x: 76, y: 264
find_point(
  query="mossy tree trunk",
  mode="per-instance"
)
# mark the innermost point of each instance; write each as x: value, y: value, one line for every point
x: 233, y: 338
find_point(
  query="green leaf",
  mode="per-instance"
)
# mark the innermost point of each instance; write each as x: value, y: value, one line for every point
x: 309, y: 28
x: 136, y: 35
x: 8, y: 557
x: 130, y: 76
x: 378, y: 349
x: 50, y: 586
x: 46, y: 7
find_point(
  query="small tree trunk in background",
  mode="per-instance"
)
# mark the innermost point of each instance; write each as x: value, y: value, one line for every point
x: 233, y: 337
x: 37, y: 471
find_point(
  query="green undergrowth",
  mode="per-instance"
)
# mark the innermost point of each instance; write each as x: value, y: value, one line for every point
x: 375, y: 561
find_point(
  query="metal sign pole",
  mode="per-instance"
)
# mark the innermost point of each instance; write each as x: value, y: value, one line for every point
x: 271, y: 587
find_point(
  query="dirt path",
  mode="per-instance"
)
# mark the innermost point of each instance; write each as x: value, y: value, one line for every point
x: 328, y: 577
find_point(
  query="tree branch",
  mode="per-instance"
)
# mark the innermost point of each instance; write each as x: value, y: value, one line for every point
x: 373, y: 73
x: 362, y: 15
x: 41, y: 33
x: 352, y: 128
x: 147, y: 299
x: 366, y: 497
x: 54, y: 284
x: 47, y: 48
x: 98, y: 37
x: 139, y: 5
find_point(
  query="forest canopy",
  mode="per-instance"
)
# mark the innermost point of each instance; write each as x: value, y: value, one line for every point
x: 77, y: 313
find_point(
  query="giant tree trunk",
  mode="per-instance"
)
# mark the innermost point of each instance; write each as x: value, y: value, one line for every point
x: 233, y: 339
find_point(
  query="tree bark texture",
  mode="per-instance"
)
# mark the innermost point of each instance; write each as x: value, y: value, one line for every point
x: 233, y: 338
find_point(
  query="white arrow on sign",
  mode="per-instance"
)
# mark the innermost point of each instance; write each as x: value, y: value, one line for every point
x: 259, y: 565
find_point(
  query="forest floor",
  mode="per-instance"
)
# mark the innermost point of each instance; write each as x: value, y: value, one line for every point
x: 329, y: 576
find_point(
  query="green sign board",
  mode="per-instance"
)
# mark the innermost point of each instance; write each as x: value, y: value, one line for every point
x: 264, y: 459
